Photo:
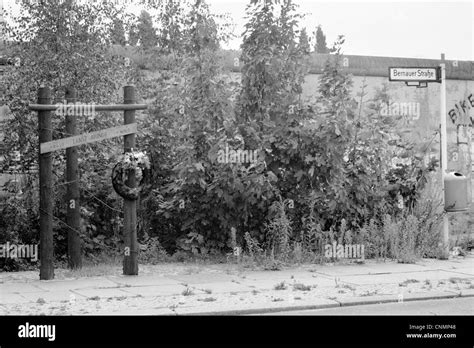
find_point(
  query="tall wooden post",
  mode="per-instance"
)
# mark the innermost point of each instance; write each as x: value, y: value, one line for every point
x: 130, y: 261
x: 45, y: 183
x: 72, y: 196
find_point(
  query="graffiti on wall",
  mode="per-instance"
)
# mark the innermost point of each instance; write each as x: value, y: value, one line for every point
x: 459, y: 113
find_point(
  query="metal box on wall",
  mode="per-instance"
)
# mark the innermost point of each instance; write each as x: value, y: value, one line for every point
x: 455, y: 192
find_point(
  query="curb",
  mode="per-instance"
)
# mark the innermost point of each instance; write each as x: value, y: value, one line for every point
x: 255, y: 311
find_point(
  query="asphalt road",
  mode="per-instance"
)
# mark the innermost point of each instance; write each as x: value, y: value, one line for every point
x: 454, y: 306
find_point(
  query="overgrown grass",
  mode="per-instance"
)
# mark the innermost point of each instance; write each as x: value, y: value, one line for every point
x: 408, y: 281
x: 301, y: 287
x: 187, y: 292
x: 207, y: 299
x: 280, y: 286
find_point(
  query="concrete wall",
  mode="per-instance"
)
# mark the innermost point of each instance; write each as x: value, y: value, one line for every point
x: 423, y: 129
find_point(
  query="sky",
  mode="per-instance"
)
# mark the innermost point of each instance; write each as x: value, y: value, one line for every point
x: 415, y: 29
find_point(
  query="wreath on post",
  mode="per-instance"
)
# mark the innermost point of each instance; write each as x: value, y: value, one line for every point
x: 129, y: 163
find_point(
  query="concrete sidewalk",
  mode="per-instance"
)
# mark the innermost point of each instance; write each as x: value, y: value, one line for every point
x: 170, y: 289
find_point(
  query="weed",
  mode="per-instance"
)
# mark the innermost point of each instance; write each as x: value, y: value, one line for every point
x: 279, y: 230
x: 253, y: 246
x: 187, y: 292
x: 345, y: 286
x: 280, y: 286
x: 103, y: 266
x: 152, y: 252
x: 272, y: 265
x: 408, y: 281
x: 369, y: 293
x: 207, y: 299
x: 301, y: 287
x: 455, y: 280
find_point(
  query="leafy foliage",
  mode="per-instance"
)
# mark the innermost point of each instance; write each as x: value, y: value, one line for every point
x: 323, y: 171
x: 144, y: 32
x: 118, y: 33
x: 63, y: 45
x: 321, y: 45
x: 303, y: 42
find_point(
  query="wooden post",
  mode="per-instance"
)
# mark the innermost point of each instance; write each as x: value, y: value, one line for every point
x: 46, y: 190
x: 73, y: 217
x: 130, y: 261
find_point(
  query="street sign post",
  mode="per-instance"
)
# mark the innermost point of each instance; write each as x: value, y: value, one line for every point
x: 420, y: 77
x: 444, y: 151
x: 88, y: 138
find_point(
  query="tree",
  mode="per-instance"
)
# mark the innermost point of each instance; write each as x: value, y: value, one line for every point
x: 60, y: 45
x: 171, y: 18
x: 117, y: 34
x: 303, y: 42
x: 145, y: 31
x: 133, y: 35
x: 271, y: 61
x: 335, y: 86
x: 192, y: 103
x: 321, y: 46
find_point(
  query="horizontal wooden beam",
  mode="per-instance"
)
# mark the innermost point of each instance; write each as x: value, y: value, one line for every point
x: 111, y: 107
x: 88, y: 138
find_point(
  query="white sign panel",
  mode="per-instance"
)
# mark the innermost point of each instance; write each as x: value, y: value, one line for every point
x: 414, y: 74
x: 88, y: 138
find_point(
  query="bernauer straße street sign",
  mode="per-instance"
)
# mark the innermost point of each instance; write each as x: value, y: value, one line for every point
x: 421, y: 74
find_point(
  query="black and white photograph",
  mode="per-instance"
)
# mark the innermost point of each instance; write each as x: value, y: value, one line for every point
x: 220, y: 165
